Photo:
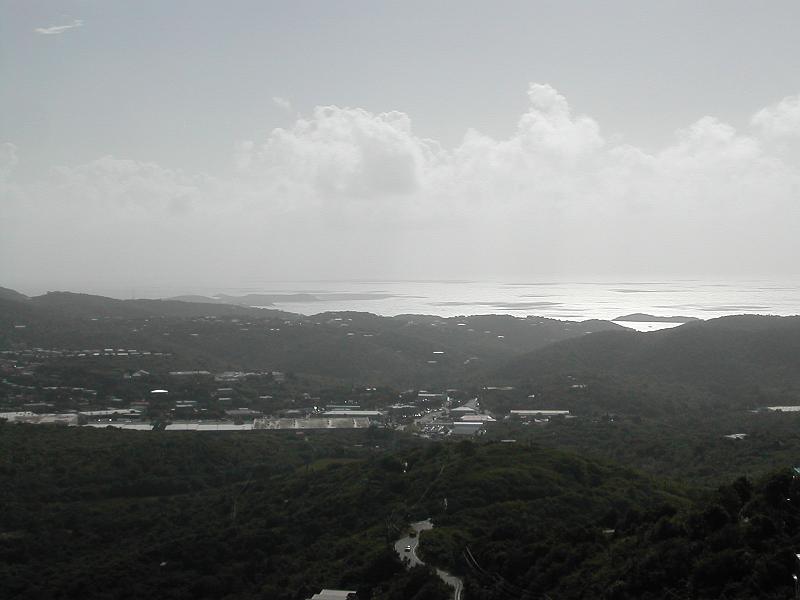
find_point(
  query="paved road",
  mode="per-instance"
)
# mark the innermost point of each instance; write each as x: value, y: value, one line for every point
x: 413, y: 560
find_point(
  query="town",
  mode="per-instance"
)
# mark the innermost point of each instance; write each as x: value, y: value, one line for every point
x: 33, y: 390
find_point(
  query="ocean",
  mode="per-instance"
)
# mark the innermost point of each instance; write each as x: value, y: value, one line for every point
x: 575, y: 300
x: 566, y: 300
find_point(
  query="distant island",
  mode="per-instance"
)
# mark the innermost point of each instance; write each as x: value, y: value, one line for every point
x: 271, y: 299
x: 645, y: 318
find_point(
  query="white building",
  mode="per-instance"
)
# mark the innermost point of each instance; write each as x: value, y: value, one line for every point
x: 539, y: 412
x: 478, y: 419
x: 70, y: 419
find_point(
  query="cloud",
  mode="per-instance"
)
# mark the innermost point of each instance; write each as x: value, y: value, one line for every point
x: 340, y: 153
x: 58, y: 29
x: 8, y: 159
x: 282, y: 103
x: 781, y: 119
x: 345, y: 192
x: 125, y: 186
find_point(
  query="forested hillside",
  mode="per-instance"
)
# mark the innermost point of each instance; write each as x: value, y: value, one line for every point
x: 104, y: 513
x: 411, y: 350
x: 742, y: 362
x: 737, y: 542
x: 112, y: 514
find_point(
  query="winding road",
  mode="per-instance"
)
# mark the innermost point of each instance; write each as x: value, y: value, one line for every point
x: 412, y: 541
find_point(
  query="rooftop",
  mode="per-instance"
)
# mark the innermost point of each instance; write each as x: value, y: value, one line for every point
x: 334, y: 595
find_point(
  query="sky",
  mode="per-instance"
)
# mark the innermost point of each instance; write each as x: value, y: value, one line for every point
x: 221, y: 144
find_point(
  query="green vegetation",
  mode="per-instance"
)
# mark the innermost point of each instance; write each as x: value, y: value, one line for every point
x: 738, y: 542
x: 689, y: 446
x: 641, y: 493
x: 112, y: 514
x: 732, y: 362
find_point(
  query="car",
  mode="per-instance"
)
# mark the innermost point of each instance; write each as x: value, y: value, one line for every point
x: 407, y: 549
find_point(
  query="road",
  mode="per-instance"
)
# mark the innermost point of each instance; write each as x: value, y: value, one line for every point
x: 441, y: 413
x: 413, y: 560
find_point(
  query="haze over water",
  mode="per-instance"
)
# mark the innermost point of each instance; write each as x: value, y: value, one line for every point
x: 557, y: 300
x: 575, y: 300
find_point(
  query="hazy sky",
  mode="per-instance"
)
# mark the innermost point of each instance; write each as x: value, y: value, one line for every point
x: 205, y: 143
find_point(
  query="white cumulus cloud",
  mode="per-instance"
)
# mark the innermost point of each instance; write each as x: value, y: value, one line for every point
x: 58, y: 29
x: 346, y: 192
x: 781, y: 119
x: 339, y: 154
x: 282, y: 103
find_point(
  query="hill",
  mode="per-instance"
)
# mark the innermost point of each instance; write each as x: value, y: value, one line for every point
x: 103, y: 513
x: 9, y: 294
x: 737, y: 542
x: 409, y: 350
x: 742, y: 361
x: 74, y: 305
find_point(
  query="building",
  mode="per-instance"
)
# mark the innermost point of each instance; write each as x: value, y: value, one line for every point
x: 428, y: 399
x: 122, y: 425
x: 185, y: 409
x: 13, y: 416
x: 372, y: 414
x: 112, y: 413
x: 70, y: 419
x: 243, y: 414
x: 478, y: 418
x: 537, y: 413
x: 189, y: 373
x: 466, y: 428
x: 313, y: 423
x: 403, y: 410
x: 335, y: 595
